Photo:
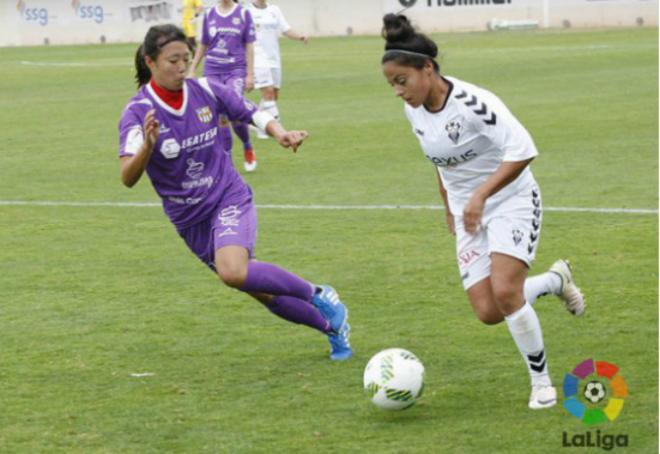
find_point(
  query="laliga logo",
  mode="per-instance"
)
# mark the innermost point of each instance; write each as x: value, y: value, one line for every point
x: 600, y: 397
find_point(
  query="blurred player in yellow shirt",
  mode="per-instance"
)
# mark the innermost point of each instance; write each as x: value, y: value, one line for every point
x: 191, y: 9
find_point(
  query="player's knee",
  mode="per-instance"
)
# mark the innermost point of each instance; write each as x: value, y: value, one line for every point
x: 232, y: 274
x: 507, y: 297
x: 268, y: 94
x: 488, y: 317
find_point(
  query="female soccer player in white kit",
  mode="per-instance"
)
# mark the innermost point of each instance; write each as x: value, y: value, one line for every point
x: 269, y: 23
x: 493, y: 204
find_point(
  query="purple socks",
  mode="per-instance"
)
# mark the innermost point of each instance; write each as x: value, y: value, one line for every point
x: 298, y: 311
x: 243, y: 133
x: 267, y: 278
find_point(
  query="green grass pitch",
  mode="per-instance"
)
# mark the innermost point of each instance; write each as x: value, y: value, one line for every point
x: 92, y: 294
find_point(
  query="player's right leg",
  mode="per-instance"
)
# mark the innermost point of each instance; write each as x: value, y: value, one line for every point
x: 508, y: 275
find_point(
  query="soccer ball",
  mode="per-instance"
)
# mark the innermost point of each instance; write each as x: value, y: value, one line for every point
x: 394, y: 379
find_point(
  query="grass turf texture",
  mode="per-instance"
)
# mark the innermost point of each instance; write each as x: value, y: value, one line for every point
x: 91, y: 295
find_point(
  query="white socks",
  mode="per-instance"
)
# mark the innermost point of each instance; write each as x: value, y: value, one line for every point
x: 270, y: 107
x: 542, y: 284
x: 525, y: 329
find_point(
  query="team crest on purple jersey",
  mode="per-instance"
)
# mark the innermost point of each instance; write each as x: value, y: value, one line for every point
x: 204, y: 114
x: 453, y: 129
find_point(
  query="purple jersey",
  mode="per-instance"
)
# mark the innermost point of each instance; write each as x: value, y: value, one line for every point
x: 188, y: 168
x: 226, y: 37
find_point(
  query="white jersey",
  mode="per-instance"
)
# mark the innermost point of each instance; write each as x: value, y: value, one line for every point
x: 468, y: 140
x: 269, y: 23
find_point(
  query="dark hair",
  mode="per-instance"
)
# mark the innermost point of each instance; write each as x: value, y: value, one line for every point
x: 400, y: 35
x: 156, y: 38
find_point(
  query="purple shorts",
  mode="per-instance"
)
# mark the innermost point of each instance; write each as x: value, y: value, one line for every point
x: 230, y: 225
x: 233, y: 79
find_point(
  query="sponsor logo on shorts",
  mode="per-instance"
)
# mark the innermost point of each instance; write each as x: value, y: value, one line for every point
x: 465, y: 258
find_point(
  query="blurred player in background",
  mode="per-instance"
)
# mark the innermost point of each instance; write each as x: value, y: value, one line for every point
x: 191, y: 9
x: 169, y: 130
x: 481, y: 155
x: 269, y: 23
x: 227, y: 45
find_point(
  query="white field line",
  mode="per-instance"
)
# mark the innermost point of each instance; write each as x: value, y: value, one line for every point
x: 73, y: 64
x: 314, y: 207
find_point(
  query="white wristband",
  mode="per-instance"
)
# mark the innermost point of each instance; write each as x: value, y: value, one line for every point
x: 261, y: 119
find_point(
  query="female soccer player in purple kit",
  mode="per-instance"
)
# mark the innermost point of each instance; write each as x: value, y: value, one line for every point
x: 170, y: 130
x: 227, y: 41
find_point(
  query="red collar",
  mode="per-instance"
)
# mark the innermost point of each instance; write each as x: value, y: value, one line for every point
x: 173, y: 99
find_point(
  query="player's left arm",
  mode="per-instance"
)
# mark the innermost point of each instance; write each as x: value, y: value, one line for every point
x: 249, y: 37
x: 239, y: 109
x: 249, y: 56
x: 291, y: 34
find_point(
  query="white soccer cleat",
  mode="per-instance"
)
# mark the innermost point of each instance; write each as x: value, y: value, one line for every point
x: 570, y: 293
x: 542, y: 396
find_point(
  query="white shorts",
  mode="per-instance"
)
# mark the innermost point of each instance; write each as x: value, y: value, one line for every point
x: 512, y: 227
x: 267, y: 77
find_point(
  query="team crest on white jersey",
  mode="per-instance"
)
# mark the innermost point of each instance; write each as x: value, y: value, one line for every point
x: 453, y: 129
x: 204, y: 114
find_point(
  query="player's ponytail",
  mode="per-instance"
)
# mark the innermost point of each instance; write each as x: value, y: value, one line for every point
x: 142, y: 71
x: 404, y: 45
x: 156, y: 38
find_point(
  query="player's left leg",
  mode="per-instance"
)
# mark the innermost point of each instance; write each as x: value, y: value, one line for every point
x: 508, y: 276
x: 284, y: 293
x: 237, y: 82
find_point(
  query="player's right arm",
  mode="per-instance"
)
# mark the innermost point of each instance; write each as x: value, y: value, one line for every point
x: 199, y: 54
x: 443, y: 192
x: 201, y: 50
x: 132, y: 165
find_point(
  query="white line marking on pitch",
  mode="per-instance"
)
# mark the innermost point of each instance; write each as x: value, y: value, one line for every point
x: 314, y: 207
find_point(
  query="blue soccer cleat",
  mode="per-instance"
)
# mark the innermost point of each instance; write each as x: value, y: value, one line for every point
x: 340, y: 349
x: 327, y: 301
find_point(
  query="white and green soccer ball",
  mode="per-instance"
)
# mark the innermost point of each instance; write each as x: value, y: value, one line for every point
x: 394, y: 379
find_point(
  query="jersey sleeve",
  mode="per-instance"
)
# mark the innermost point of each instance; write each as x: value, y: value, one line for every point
x: 506, y: 133
x: 282, y: 24
x: 234, y: 106
x: 206, y: 37
x: 131, y: 135
x: 249, y: 33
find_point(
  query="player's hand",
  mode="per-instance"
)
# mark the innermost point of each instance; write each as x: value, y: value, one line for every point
x: 450, y: 222
x: 472, y: 213
x: 293, y: 139
x: 151, y: 129
x: 249, y: 83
